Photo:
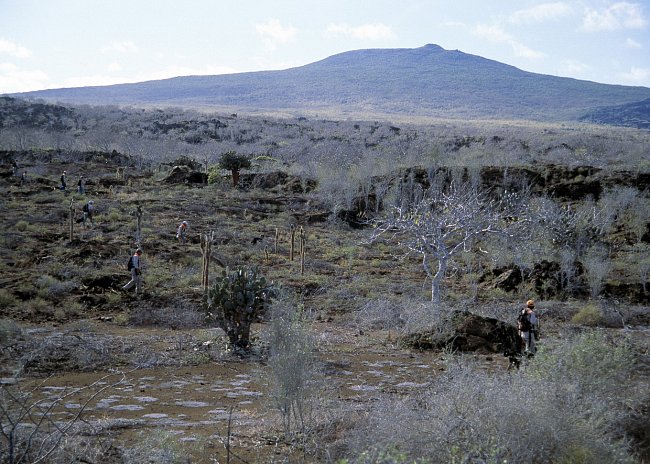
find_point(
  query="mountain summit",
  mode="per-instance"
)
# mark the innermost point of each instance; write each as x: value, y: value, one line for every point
x: 424, y: 81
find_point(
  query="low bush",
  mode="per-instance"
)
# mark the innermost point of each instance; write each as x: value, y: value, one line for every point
x: 9, y: 331
x: 7, y: 299
x: 590, y: 315
x: 566, y: 406
x: 293, y: 378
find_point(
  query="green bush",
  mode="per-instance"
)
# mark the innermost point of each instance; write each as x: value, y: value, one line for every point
x: 7, y: 299
x: 236, y: 300
x: 234, y: 162
x: 590, y: 315
x: 9, y: 331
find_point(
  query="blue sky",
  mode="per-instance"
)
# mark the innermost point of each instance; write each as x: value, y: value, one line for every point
x: 71, y: 43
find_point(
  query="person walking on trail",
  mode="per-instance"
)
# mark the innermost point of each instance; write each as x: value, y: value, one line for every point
x: 181, y: 232
x: 88, y: 211
x: 135, y: 266
x: 23, y: 178
x: 528, y: 326
x: 63, y: 183
x: 81, y: 185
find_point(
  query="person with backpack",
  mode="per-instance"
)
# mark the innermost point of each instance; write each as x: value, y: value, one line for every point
x: 528, y: 326
x: 135, y: 266
x: 88, y: 210
x: 81, y: 185
x: 63, y: 183
x: 181, y: 232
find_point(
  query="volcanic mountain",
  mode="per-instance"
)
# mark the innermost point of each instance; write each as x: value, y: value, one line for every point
x: 425, y: 81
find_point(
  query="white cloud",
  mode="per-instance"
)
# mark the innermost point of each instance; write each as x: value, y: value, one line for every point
x: 492, y: 33
x: 120, y: 47
x: 622, y: 15
x: 495, y: 34
x: 114, y: 67
x: 523, y: 51
x: 637, y: 76
x: 631, y: 43
x: 373, y: 31
x: 573, y: 67
x: 14, y: 79
x: 275, y: 33
x: 10, y: 47
x: 540, y: 13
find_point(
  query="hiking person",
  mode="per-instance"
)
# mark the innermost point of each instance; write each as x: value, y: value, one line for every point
x: 23, y: 178
x: 528, y: 324
x: 181, y: 232
x: 88, y: 210
x: 81, y: 186
x: 135, y: 266
x: 14, y: 168
x: 63, y: 183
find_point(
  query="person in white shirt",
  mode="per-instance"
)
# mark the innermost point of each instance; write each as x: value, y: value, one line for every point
x: 181, y: 232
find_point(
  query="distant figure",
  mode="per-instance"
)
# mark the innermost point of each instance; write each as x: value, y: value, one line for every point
x: 63, y: 183
x: 88, y: 210
x: 81, y: 187
x: 135, y: 266
x: 14, y: 168
x: 181, y: 232
x: 528, y: 326
x: 23, y: 178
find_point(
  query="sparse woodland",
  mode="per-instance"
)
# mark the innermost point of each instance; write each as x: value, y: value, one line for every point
x: 390, y: 246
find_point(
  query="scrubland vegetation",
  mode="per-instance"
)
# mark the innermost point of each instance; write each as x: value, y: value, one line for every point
x: 360, y: 357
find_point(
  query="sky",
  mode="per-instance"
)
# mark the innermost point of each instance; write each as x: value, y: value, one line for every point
x: 74, y: 43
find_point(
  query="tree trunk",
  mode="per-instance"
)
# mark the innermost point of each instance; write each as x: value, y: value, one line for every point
x: 235, y: 177
x: 436, y: 281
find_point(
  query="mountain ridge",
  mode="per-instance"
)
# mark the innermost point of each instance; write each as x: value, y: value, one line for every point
x: 423, y: 81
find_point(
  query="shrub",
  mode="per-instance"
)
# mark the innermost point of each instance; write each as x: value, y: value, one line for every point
x: 22, y: 226
x: 598, y: 265
x: 292, y: 377
x: 9, y: 331
x: 234, y: 162
x: 591, y: 364
x: 590, y: 315
x: 53, y: 288
x: 236, y: 300
x: 564, y: 407
x: 161, y: 447
x: 7, y: 300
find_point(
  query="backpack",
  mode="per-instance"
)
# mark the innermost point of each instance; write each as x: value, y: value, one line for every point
x: 85, y: 208
x: 524, y: 322
x: 129, y: 265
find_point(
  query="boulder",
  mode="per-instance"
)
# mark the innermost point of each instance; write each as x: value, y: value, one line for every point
x: 469, y: 332
x: 185, y: 175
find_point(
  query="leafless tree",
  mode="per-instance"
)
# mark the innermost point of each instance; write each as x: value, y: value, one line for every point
x: 446, y: 222
x: 31, y: 431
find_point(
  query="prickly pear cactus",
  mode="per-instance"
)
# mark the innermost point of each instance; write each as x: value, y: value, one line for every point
x: 235, y: 301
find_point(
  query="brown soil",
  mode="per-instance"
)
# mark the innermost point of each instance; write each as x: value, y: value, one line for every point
x: 186, y: 384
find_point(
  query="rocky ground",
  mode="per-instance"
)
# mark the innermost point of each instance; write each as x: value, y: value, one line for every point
x: 67, y: 324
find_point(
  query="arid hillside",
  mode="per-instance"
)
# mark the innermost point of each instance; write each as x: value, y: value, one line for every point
x: 355, y: 362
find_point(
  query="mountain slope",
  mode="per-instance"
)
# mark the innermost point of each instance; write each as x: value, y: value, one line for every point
x: 427, y: 81
x: 636, y: 114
